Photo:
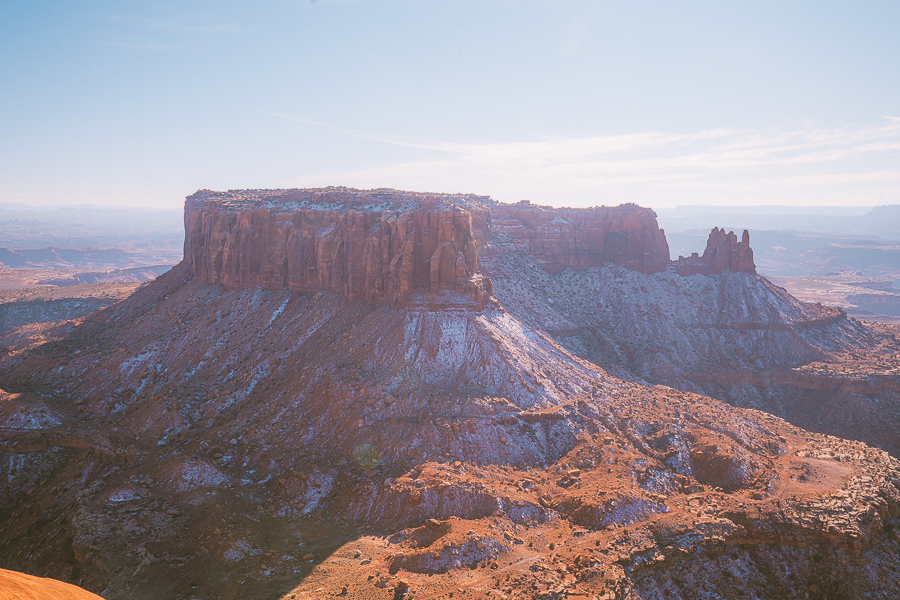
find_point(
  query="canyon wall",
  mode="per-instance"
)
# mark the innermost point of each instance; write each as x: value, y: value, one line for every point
x: 581, y: 238
x: 358, y: 245
x: 384, y: 245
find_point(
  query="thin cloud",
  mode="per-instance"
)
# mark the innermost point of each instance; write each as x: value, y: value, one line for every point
x: 149, y: 46
x: 385, y: 139
x: 173, y: 25
x: 651, y: 167
x: 145, y: 33
x: 836, y: 178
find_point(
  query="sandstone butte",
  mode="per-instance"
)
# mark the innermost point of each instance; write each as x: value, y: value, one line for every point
x: 383, y: 245
x: 382, y: 394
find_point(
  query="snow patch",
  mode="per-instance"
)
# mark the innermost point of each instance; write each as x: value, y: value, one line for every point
x: 124, y: 495
x: 238, y: 551
x: 194, y: 474
x: 279, y: 311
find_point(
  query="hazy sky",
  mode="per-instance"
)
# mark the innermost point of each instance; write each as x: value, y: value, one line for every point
x: 560, y: 102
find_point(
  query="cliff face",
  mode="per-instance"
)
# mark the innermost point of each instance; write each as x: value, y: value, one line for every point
x: 723, y: 253
x: 581, y: 238
x: 385, y: 245
x: 361, y: 245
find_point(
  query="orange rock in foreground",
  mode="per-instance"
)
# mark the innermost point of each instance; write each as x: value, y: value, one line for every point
x: 19, y: 586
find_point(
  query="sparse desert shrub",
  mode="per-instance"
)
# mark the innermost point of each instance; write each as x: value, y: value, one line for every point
x: 367, y: 456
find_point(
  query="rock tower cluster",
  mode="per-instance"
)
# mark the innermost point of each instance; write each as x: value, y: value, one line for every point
x: 723, y: 253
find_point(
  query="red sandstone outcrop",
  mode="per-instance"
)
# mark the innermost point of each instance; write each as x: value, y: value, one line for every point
x: 581, y: 238
x: 383, y: 245
x: 723, y: 253
x: 371, y: 246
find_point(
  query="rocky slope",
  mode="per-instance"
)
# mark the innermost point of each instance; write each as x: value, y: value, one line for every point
x: 17, y: 314
x: 223, y: 433
x: 707, y: 324
x: 49, y: 303
x: 733, y: 336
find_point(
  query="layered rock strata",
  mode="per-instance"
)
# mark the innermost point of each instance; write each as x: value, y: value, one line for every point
x: 384, y: 245
x: 365, y: 246
x: 581, y: 238
x: 723, y: 253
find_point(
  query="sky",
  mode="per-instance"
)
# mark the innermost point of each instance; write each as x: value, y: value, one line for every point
x: 562, y: 102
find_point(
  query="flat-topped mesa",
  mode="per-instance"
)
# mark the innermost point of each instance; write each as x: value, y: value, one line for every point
x: 384, y: 245
x: 375, y: 245
x: 580, y: 238
x: 723, y: 253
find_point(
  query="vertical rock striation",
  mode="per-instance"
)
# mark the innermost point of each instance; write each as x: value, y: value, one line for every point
x: 364, y: 245
x: 385, y: 245
x: 581, y: 238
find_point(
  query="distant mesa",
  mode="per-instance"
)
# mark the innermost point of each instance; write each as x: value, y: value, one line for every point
x: 581, y: 238
x: 386, y: 245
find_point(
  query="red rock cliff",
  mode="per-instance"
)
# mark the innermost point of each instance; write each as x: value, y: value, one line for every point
x: 374, y: 246
x: 723, y: 253
x: 384, y: 245
x: 581, y: 238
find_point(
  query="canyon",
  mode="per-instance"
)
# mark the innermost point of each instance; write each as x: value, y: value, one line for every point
x: 384, y: 394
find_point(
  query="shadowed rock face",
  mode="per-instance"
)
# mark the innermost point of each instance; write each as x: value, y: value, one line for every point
x: 723, y: 253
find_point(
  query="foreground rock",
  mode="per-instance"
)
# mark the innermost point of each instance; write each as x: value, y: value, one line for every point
x: 19, y: 586
x: 210, y: 439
